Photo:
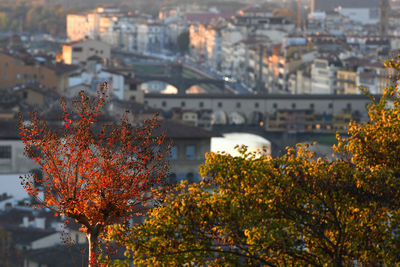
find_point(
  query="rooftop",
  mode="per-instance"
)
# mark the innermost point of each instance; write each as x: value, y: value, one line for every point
x: 61, y: 256
x: 177, y: 130
x: 25, y: 235
x: 206, y: 18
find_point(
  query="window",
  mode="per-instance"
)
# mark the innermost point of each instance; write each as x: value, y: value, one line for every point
x: 18, y: 76
x: 5, y: 152
x: 173, y: 153
x: 172, y: 178
x: 293, y: 105
x: 183, y: 104
x: 190, y: 152
x: 6, y: 64
x: 256, y: 105
x: 220, y: 104
x: 164, y: 104
x: 330, y: 105
x: 41, y: 76
x: 26, y: 76
x: 275, y: 105
x: 201, y: 104
x: 348, y: 105
x: 312, y: 106
x: 25, y: 94
x: 77, y: 49
x: 238, y: 104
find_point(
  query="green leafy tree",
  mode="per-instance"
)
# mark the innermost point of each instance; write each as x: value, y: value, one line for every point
x: 183, y: 41
x: 294, y: 210
x: 291, y: 210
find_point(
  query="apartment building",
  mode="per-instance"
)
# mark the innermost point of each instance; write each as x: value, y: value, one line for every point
x: 324, y: 74
x: 17, y: 69
x: 152, y: 37
x: 189, y: 145
x: 214, y: 45
x: 91, y: 24
x: 291, y: 120
x: 79, y: 52
x: 347, y: 82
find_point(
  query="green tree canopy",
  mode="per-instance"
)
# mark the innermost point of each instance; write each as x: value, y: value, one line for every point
x: 183, y: 41
x: 294, y: 210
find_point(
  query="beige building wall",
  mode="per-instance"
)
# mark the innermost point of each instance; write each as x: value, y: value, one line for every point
x: 18, y: 162
x: 67, y: 54
x: 136, y: 95
x: 14, y: 71
x: 183, y: 167
x: 347, y: 82
x: 79, y: 52
x: 77, y: 27
x: 48, y: 241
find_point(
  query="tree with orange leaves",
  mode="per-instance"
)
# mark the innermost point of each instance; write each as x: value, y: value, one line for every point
x: 96, y: 175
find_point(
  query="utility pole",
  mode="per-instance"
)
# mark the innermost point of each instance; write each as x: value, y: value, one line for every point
x: 299, y: 15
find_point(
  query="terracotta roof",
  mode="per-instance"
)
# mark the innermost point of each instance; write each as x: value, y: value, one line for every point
x: 256, y: 9
x: 367, y: 74
x: 61, y: 68
x: 205, y: 18
x: 40, y: 89
x: 28, y: 59
x: 95, y: 58
x: 353, y: 62
x: 133, y: 107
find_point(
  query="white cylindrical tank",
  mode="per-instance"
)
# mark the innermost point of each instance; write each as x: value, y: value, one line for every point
x: 228, y: 142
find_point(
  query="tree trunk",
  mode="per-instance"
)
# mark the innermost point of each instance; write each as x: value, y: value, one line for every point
x: 93, y: 243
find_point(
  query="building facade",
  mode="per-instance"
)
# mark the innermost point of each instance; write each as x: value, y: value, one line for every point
x: 79, y: 52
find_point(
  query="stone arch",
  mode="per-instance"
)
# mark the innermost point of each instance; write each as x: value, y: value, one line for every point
x: 237, y: 118
x: 219, y: 117
x: 159, y: 86
x: 196, y: 89
x: 256, y: 118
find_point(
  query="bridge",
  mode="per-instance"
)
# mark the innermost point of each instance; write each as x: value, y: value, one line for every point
x: 257, y: 107
x: 174, y: 74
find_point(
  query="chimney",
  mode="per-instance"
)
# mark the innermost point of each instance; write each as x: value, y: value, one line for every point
x: 40, y: 223
x: 25, y: 221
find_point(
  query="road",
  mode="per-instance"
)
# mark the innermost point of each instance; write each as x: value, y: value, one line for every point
x: 233, y: 86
